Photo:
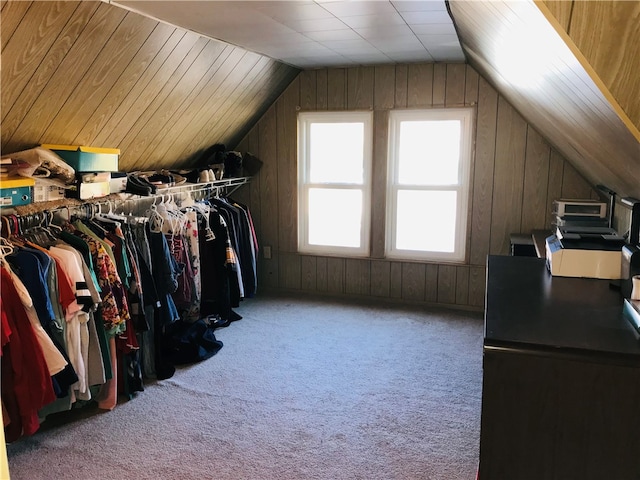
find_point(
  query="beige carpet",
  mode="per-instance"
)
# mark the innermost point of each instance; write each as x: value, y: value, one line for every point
x: 303, y: 388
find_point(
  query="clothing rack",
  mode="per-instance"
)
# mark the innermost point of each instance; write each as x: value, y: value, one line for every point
x: 107, y: 299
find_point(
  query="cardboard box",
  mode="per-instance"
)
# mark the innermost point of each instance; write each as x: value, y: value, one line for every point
x: 93, y: 177
x: 87, y: 159
x: 118, y: 182
x: 45, y: 191
x: 91, y: 185
x: 84, y: 191
x: 16, y: 191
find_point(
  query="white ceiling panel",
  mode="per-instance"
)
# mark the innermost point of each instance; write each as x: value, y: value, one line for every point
x: 412, y: 56
x: 415, y: 6
x: 418, y: 18
x: 358, y: 8
x: 348, y: 45
x: 439, y: 40
x: 371, y: 21
x: 333, y: 35
x: 370, y: 59
x: 434, y: 29
x: 291, y: 10
x: 320, y: 33
x: 388, y: 32
x: 455, y: 53
x: 319, y: 25
x: 253, y: 41
x: 399, y: 43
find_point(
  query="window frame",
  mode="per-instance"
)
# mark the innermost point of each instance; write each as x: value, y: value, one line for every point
x: 304, y: 121
x: 463, y: 187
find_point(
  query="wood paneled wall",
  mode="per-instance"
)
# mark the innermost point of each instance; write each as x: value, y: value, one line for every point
x: 516, y: 175
x: 90, y: 73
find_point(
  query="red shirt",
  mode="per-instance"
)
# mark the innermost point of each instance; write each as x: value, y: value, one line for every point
x: 30, y: 383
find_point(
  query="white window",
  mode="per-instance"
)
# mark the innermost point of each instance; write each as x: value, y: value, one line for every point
x: 428, y: 184
x: 334, y: 182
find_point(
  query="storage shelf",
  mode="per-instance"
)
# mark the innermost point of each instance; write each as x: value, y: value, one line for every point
x: 216, y: 187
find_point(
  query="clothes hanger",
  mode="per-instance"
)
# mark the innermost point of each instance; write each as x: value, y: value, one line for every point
x: 6, y: 226
x: 156, y: 221
x: 187, y: 201
x: 105, y: 218
x: 6, y: 248
x: 92, y: 224
x: 14, y: 235
x: 36, y: 232
x: 52, y: 226
x: 43, y: 228
x: 204, y: 209
x: 113, y: 215
x: 6, y: 245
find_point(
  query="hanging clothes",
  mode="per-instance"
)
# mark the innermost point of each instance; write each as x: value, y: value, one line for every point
x: 91, y: 309
x: 35, y: 271
x: 26, y: 383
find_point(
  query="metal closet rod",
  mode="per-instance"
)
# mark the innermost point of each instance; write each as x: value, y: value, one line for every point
x: 208, y: 188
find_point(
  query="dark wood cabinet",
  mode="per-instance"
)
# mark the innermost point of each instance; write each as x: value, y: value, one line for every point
x: 561, y: 381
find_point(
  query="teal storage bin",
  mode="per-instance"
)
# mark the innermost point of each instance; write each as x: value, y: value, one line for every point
x: 87, y: 159
x: 16, y: 191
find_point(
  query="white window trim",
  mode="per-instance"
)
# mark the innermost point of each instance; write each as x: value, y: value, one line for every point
x: 465, y: 115
x: 305, y: 119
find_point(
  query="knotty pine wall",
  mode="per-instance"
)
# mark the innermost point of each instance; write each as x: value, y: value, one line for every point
x: 516, y: 175
x: 90, y: 73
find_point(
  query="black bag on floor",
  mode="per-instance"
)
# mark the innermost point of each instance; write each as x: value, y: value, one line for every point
x: 191, y: 342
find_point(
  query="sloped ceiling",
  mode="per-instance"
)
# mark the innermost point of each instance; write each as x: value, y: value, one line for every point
x: 546, y: 77
x: 320, y: 33
x: 90, y: 73
x: 607, y: 35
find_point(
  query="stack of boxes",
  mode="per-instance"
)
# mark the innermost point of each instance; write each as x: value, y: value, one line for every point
x: 15, y: 191
x: 45, y: 191
x: 93, y: 166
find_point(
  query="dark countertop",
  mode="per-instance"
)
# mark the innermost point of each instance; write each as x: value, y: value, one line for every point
x: 527, y: 307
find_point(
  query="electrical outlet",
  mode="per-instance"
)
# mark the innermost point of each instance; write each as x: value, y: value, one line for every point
x: 266, y: 252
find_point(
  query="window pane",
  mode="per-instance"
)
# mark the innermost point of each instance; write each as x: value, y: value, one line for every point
x: 335, y: 217
x: 336, y: 153
x: 429, y: 152
x: 426, y: 221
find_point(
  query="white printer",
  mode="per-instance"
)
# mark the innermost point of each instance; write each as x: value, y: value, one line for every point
x: 585, y: 254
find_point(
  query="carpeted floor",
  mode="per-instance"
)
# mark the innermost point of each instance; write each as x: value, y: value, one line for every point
x: 304, y: 388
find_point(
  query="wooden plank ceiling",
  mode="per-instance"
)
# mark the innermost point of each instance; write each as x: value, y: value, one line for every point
x: 89, y: 73
x: 517, y: 48
x: 607, y: 34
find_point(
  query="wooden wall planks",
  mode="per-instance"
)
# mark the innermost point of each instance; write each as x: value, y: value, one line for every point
x: 94, y: 74
x: 42, y: 76
x: 486, y: 115
x: 12, y: 14
x: 286, y: 140
x: 34, y: 44
x: 516, y: 176
x: 379, y: 181
x: 561, y: 9
x: 508, y: 177
x: 536, y: 172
